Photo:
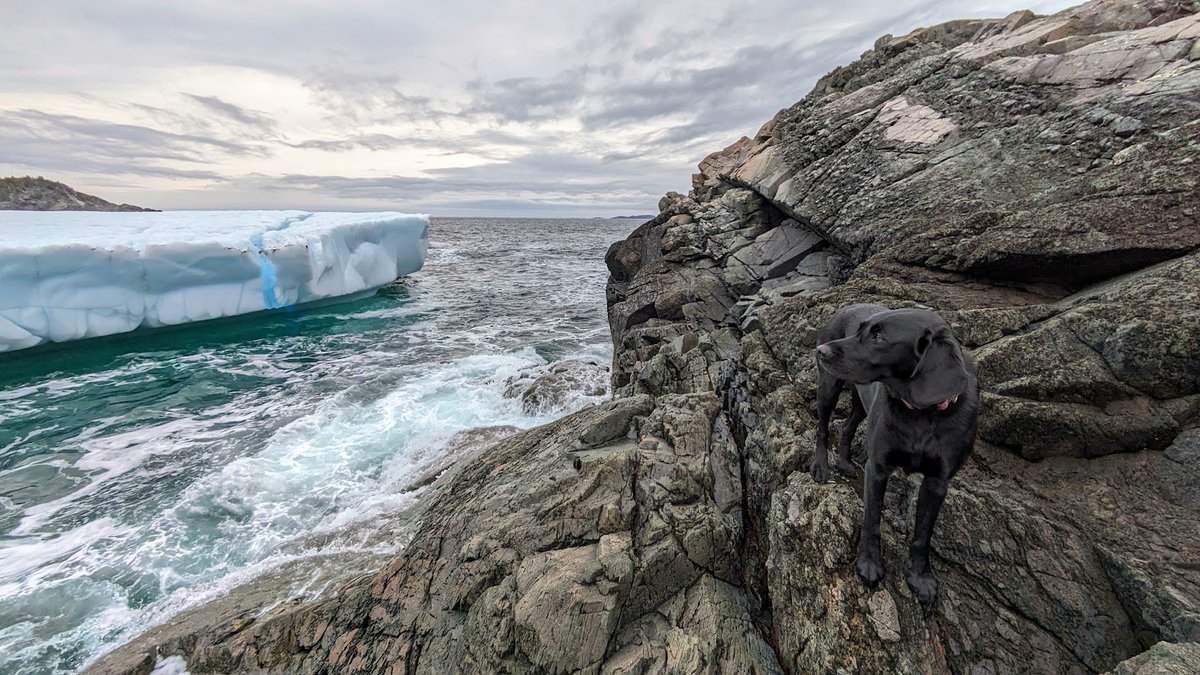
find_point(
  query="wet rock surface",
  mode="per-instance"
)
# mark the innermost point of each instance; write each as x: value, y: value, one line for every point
x: 1034, y: 180
x: 563, y: 386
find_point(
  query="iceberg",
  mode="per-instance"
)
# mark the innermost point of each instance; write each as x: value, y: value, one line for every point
x: 73, y: 275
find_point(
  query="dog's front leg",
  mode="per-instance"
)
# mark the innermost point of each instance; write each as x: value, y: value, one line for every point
x: 828, y: 388
x: 858, y: 413
x: 921, y: 580
x: 870, y: 558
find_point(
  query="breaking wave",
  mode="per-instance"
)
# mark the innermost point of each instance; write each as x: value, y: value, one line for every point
x: 146, y: 475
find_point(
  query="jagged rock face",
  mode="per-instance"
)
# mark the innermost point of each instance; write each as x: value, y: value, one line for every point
x: 1019, y: 166
x: 1002, y: 157
x: 38, y: 194
x: 1033, y: 180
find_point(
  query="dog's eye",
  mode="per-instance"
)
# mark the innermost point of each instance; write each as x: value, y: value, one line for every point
x: 878, y: 337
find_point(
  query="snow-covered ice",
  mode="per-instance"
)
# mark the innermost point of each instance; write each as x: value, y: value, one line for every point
x: 72, y: 275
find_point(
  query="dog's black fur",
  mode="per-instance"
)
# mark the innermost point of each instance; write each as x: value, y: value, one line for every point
x: 916, y: 388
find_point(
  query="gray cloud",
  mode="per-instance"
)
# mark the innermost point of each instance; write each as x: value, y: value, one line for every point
x: 526, y: 99
x: 35, y: 139
x: 564, y: 108
x: 544, y: 173
x: 356, y: 97
x: 249, y: 118
x: 378, y: 142
x: 546, y: 183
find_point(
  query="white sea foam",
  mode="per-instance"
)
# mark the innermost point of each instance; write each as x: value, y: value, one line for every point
x: 334, y: 482
x: 172, y: 665
x: 322, y: 470
x: 25, y: 562
x: 108, y: 457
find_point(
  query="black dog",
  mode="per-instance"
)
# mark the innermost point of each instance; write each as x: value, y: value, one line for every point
x: 916, y: 387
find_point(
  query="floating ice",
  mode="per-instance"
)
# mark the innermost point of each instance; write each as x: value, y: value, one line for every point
x: 72, y: 275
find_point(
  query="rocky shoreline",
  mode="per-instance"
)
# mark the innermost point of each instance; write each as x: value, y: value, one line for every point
x: 1034, y: 180
x: 27, y: 193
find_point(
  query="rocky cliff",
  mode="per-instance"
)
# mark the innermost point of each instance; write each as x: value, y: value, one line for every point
x: 39, y: 194
x: 1033, y: 179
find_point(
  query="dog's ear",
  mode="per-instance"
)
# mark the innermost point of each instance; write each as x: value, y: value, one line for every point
x: 923, y: 342
x: 940, y: 372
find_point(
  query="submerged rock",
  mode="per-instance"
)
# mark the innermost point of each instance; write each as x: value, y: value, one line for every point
x: 1030, y: 178
x: 562, y: 386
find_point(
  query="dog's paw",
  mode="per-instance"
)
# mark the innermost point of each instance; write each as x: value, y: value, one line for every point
x: 923, y: 587
x: 847, y: 467
x: 819, y: 470
x: 870, y: 571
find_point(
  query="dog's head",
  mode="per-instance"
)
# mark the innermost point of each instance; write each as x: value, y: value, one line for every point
x: 911, y: 351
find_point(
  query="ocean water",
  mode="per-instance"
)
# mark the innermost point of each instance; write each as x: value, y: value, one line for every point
x: 144, y: 474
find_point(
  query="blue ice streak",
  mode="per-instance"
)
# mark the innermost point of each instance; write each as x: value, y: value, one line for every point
x: 269, y: 280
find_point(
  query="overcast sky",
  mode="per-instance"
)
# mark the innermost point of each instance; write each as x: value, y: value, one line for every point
x: 447, y: 107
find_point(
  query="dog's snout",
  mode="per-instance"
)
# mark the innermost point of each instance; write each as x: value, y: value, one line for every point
x: 824, y: 351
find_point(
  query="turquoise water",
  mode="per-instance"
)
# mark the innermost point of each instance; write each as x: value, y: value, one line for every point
x: 146, y: 473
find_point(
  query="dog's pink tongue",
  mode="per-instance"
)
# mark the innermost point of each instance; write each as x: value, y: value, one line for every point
x: 943, y: 405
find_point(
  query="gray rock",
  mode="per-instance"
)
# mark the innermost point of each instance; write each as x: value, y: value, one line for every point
x: 1186, y: 448
x: 458, y: 449
x: 884, y: 617
x: 562, y: 386
x: 776, y: 251
x: 794, y: 283
x: 1163, y: 658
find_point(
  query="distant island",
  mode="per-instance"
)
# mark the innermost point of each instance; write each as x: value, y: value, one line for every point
x: 638, y: 217
x: 27, y: 193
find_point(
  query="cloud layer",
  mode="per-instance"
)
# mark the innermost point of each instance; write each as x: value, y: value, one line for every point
x: 454, y: 108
